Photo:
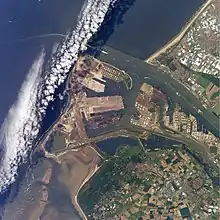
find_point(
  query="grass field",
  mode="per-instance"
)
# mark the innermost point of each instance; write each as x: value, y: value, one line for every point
x: 216, y: 108
x: 215, y: 95
x: 203, y: 81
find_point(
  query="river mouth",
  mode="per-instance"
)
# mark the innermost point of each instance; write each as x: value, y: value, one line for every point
x: 56, y: 107
x: 161, y: 20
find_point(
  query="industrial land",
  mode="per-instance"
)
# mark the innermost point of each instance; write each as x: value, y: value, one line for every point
x: 194, y: 60
x: 139, y: 138
x: 136, y: 182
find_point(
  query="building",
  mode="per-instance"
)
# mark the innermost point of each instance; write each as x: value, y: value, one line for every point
x: 89, y: 70
x: 94, y: 105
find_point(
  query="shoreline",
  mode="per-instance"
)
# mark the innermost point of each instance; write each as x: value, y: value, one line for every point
x: 75, y: 200
x: 176, y: 39
x: 44, y: 137
x: 89, y: 177
x: 90, y: 174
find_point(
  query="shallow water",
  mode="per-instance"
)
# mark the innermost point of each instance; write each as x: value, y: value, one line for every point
x: 30, y: 18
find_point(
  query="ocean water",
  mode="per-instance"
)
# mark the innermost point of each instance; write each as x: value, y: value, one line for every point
x: 38, y: 49
x: 149, y: 24
x: 30, y: 71
x: 21, y: 20
x: 31, y: 30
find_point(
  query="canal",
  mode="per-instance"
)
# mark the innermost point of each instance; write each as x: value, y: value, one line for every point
x: 143, y: 72
x: 154, y: 142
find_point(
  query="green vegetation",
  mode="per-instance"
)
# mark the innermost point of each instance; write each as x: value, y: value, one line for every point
x: 214, y: 150
x: 129, y: 153
x: 111, y: 176
x: 215, y: 95
x: 202, y: 78
x: 146, y: 197
x: 203, y: 81
x: 127, y: 81
x: 211, y: 78
x: 216, y: 192
x: 59, y: 141
x: 128, y: 184
x: 137, y: 215
x: 216, y: 109
x: 215, y: 216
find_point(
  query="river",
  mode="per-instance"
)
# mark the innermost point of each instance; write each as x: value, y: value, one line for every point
x: 141, y: 71
x: 29, y: 18
x: 110, y: 146
x: 21, y: 20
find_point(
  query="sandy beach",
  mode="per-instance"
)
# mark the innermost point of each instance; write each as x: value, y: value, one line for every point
x: 77, y: 168
x: 181, y: 34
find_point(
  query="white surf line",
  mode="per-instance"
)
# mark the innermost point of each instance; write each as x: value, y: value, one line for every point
x: 90, y: 19
x: 21, y: 126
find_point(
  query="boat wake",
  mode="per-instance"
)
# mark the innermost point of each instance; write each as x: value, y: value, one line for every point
x: 22, y: 123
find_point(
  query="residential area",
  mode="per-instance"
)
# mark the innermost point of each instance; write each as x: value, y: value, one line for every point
x: 165, y: 185
x: 195, y: 60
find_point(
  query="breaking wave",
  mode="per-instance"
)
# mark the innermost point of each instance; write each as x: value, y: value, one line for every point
x: 22, y: 123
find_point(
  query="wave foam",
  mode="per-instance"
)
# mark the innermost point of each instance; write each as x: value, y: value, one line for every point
x: 21, y: 126
x: 89, y: 20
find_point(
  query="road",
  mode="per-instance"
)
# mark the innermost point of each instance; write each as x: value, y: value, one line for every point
x: 143, y: 72
x: 181, y: 34
x: 125, y: 129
